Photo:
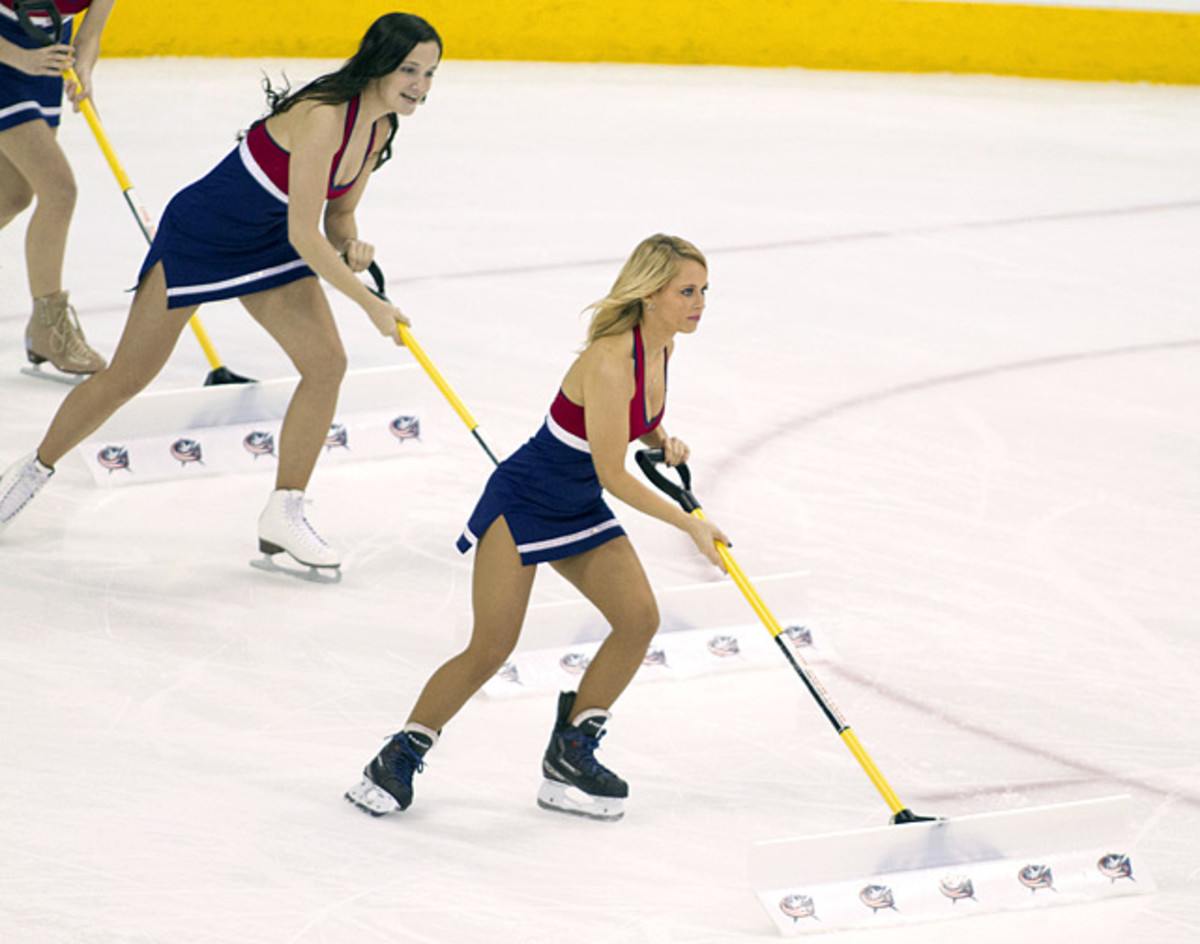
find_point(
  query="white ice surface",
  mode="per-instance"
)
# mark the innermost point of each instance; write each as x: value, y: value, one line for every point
x: 950, y: 371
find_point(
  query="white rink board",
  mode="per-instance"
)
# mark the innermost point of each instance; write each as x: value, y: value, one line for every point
x: 234, y: 428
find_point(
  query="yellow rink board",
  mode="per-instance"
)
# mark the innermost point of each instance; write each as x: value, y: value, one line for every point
x: 873, y: 35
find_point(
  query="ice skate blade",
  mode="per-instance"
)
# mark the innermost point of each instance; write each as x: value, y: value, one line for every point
x: 71, y: 380
x: 313, y: 574
x: 563, y: 798
x: 371, y: 799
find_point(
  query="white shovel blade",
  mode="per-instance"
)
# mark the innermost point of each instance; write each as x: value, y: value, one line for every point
x: 968, y: 865
x: 235, y: 428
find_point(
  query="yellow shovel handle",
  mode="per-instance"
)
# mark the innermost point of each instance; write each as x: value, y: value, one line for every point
x: 93, y: 120
x: 872, y: 772
x: 436, y: 375
x: 139, y: 211
x: 447, y: 391
x: 772, y: 624
x: 206, y: 344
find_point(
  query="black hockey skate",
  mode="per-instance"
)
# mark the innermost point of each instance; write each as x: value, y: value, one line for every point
x: 575, y: 782
x: 386, y: 785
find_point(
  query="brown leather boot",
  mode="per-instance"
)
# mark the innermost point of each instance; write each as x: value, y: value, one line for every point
x: 53, y: 334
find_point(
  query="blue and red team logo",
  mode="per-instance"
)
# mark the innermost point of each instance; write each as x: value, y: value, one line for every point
x: 259, y: 444
x: 405, y: 427
x: 1034, y: 877
x: 878, y: 898
x: 799, y: 636
x: 957, y: 887
x: 1116, y: 866
x: 337, y: 437
x: 113, y: 458
x: 186, y: 451
x: 574, y: 663
x: 724, y: 646
x: 798, y: 906
x: 655, y: 656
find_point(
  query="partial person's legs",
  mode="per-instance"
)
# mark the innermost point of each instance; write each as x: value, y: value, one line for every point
x: 150, y: 334
x: 33, y: 165
x: 500, y: 595
x: 15, y: 193
x: 298, y: 317
x: 612, y: 578
x: 32, y: 149
x: 500, y: 590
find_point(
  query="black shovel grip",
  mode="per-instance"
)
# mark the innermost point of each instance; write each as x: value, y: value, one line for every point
x: 376, y: 274
x: 649, y: 460
x: 26, y: 10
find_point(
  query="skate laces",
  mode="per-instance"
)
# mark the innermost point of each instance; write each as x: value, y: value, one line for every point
x: 406, y: 761
x: 581, y: 750
x: 36, y: 474
x: 26, y: 482
x: 67, y: 332
x: 299, y: 520
x: 76, y: 342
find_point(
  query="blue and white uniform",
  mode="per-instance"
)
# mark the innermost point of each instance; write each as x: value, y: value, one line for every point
x: 25, y: 97
x: 548, y: 491
x: 226, y: 235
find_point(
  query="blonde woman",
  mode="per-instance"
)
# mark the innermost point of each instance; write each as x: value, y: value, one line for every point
x: 545, y: 504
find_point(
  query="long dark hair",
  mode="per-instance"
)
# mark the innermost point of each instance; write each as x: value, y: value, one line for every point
x: 386, y: 44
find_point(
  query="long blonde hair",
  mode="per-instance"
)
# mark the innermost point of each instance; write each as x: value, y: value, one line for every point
x: 650, y: 268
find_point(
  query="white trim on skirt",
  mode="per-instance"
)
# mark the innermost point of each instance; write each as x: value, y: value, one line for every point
x: 54, y: 112
x: 234, y: 282
x: 534, y: 546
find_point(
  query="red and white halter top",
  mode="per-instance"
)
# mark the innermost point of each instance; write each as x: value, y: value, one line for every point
x: 272, y: 161
x: 566, y: 418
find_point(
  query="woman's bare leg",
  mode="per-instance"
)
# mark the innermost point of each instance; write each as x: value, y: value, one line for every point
x: 500, y: 590
x: 298, y: 317
x: 15, y: 192
x: 151, y: 332
x: 612, y: 578
x: 31, y: 149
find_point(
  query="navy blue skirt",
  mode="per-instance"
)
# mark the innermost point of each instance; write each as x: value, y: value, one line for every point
x: 25, y: 97
x: 550, y: 498
x: 225, y: 236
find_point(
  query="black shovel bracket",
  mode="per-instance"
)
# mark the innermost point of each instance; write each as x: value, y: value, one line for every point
x: 26, y: 10
x: 680, y: 492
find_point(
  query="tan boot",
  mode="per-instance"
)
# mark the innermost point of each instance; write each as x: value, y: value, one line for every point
x: 53, y: 334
